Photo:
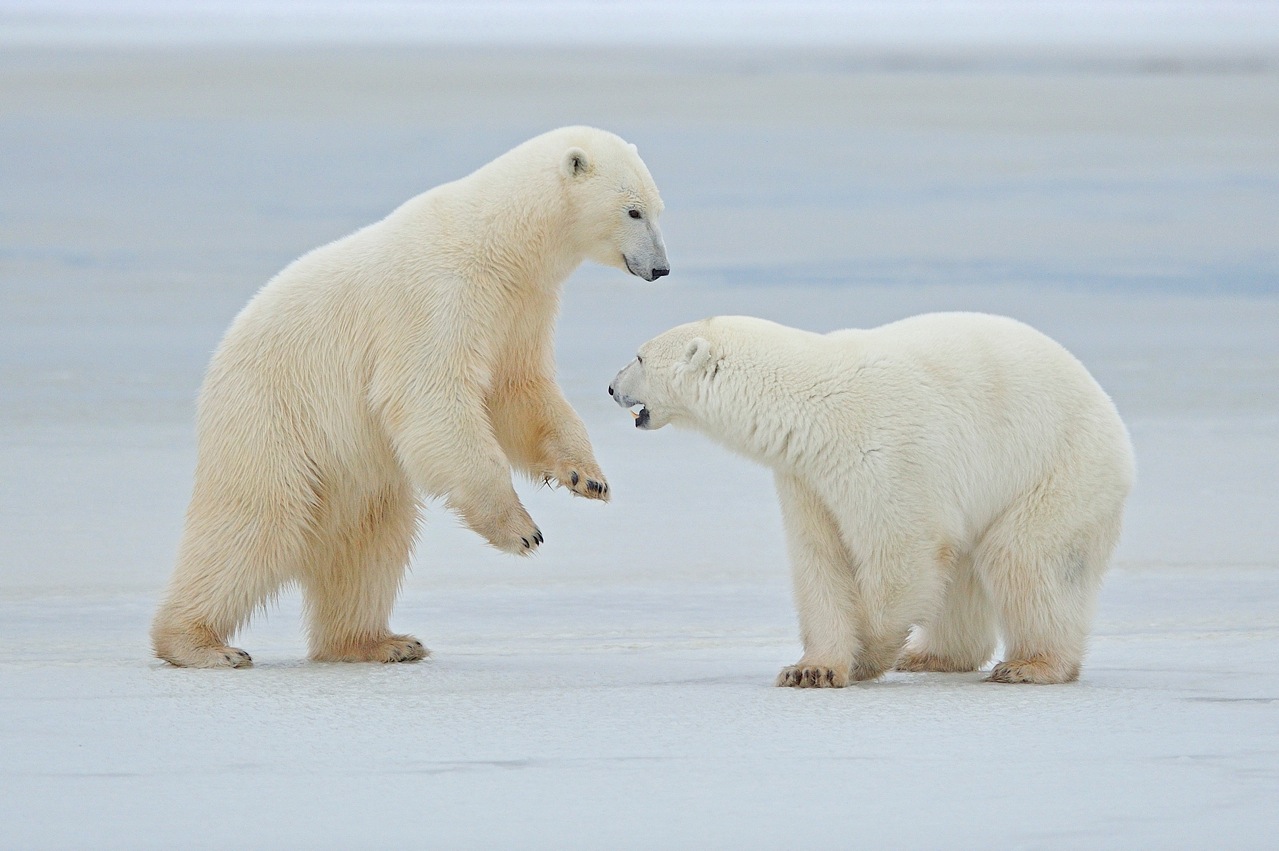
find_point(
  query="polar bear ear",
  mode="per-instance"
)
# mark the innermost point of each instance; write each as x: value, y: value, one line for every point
x: 576, y: 163
x: 697, y: 354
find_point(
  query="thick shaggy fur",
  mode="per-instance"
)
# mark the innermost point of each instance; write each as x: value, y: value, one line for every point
x: 413, y: 357
x: 959, y: 473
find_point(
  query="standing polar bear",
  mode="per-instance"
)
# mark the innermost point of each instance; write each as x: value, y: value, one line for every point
x: 414, y: 356
x: 959, y: 473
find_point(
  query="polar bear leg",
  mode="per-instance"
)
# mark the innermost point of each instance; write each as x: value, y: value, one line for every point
x: 458, y: 457
x: 544, y: 437
x: 886, y: 628
x: 900, y: 582
x: 348, y: 600
x: 230, y: 563
x: 825, y: 596
x: 1044, y: 580
x: 961, y: 637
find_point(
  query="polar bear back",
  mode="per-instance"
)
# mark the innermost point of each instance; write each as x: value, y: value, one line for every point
x: 981, y: 408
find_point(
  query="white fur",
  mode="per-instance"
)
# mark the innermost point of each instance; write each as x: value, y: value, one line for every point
x: 411, y: 357
x: 959, y: 473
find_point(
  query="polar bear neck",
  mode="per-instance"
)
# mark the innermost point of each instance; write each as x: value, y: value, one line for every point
x: 524, y: 226
x: 504, y: 228
x: 746, y: 407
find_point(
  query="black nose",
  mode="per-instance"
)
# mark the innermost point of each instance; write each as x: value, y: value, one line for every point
x: 660, y: 273
x: 610, y: 389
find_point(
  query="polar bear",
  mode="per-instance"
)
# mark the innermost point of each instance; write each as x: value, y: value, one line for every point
x: 957, y: 473
x: 412, y: 357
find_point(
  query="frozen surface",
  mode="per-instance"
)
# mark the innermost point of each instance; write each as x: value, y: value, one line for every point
x: 614, y: 691
x: 625, y: 713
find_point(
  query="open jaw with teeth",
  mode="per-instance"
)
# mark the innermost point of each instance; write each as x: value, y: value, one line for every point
x: 641, y: 416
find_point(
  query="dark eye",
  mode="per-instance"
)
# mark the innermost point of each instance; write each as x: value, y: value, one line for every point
x: 640, y: 360
x: 635, y: 214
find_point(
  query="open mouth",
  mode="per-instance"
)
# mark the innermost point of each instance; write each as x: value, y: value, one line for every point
x: 641, y: 417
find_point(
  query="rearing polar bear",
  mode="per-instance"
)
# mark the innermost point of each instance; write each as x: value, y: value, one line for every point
x: 413, y: 356
x: 959, y: 473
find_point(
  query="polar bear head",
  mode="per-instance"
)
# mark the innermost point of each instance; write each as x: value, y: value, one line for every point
x: 615, y: 202
x: 694, y: 373
x: 744, y: 382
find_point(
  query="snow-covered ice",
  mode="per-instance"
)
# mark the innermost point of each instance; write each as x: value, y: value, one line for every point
x: 615, y: 690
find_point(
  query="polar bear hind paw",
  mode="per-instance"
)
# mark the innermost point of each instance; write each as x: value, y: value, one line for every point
x: 1040, y: 670
x: 812, y: 676
x: 399, y: 648
x: 391, y: 648
x: 931, y: 663
x: 211, y: 657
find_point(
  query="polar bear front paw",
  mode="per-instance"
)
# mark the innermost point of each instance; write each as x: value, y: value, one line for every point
x: 581, y: 480
x: 522, y: 540
x: 812, y: 676
x: 512, y: 531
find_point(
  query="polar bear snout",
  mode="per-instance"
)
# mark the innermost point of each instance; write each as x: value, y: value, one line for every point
x: 644, y: 251
x: 624, y: 391
x: 623, y: 399
x: 647, y: 272
x: 624, y: 386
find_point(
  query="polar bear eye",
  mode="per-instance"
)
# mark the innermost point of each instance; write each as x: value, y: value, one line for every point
x: 635, y: 214
x: 639, y: 359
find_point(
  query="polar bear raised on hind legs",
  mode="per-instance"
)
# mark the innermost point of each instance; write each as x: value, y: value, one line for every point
x: 411, y: 357
x: 957, y: 473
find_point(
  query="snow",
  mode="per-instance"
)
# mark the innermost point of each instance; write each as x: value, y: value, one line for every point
x: 639, y: 714
x: 615, y: 690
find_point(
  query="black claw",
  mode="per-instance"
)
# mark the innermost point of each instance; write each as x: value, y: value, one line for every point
x: 573, y: 477
x: 537, y: 536
x: 525, y: 540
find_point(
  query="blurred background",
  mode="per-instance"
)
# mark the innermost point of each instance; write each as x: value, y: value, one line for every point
x: 1108, y: 171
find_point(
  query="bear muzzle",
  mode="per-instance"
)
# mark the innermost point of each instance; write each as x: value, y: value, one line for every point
x: 649, y: 274
x: 641, y: 416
